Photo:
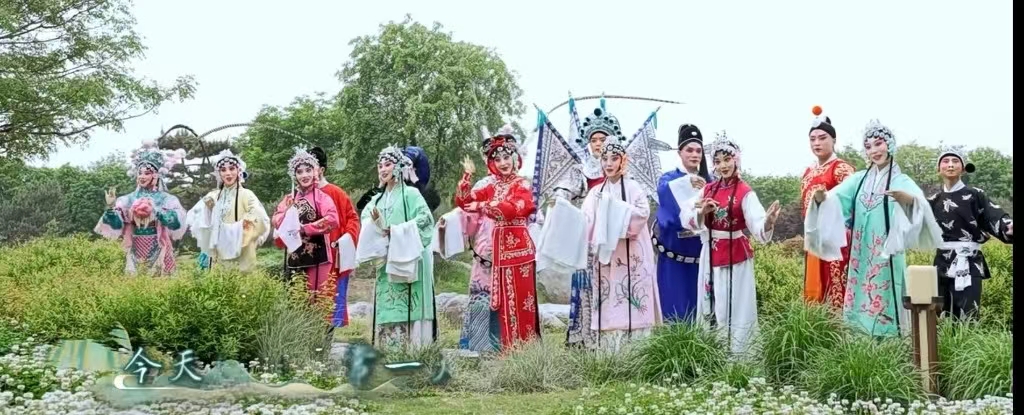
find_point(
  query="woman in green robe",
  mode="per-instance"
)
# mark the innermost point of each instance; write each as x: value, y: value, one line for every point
x: 888, y: 214
x: 404, y: 313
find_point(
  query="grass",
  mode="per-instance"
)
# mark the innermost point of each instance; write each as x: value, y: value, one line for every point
x: 477, y: 403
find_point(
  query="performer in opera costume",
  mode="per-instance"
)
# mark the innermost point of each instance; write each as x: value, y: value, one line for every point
x: 348, y: 224
x: 887, y: 214
x: 624, y: 287
x: 593, y: 133
x: 508, y: 201
x: 966, y: 217
x: 403, y: 303
x: 230, y: 222
x: 480, y: 329
x: 824, y: 281
x: 318, y: 217
x: 727, y: 207
x: 150, y: 218
x: 678, y: 248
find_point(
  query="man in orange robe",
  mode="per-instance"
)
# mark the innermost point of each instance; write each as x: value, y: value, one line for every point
x: 348, y: 223
x: 824, y: 281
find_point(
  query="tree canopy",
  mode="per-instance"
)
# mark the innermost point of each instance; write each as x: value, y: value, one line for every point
x: 64, y: 71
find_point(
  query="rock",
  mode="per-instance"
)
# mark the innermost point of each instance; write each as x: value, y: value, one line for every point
x: 556, y: 285
x: 454, y: 308
x: 443, y: 298
x: 559, y: 311
x: 360, y: 309
x: 551, y: 321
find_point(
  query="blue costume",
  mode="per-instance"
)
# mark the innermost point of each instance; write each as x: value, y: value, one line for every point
x: 678, y: 249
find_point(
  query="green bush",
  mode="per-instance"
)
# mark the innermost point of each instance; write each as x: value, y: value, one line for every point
x: 75, y: 288
x: 684, y: 352
x: 864, y: 368
x: 974, y: 361
x: 788, y: 339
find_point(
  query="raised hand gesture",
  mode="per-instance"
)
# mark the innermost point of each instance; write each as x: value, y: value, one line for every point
x: 111, y: 196
x: 773, y: 214
x: 697, y: 181
x: 468, y: 166
x: 707, y: 206
x: 819, y: 195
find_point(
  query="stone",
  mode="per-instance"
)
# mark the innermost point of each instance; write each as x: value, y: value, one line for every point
x: 556, y: 285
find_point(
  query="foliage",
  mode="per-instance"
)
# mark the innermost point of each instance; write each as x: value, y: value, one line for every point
x: 267, y: 151
x: 789, y: 338
x: 976, y: 361
x: 537, y: 367
x: 414, y: 85
x: 217, y: 314
x: 680, y: 351
x: 863, y: 368
x: 30, y: 213
x: 64, y: 70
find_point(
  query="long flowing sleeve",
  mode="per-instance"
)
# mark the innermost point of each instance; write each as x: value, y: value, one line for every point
x: 111, y: 223
x: 256, y: 215
x: 755, y: 216
x: 668, y: 212
x: 914, y: 226
x: 825, y: 222
x: 994, y: 220
x: 689, y: 214
x: 640, y: 209
x: 172, y: 217
x: 278, y: 217
x: 590, y: 213
x: 420, y: 213
x: 348, y: 216
x: 516, y: 205
x: 328, y: 216
x: 466, y: 193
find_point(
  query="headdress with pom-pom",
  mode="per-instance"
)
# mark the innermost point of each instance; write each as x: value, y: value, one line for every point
x: 404, y: 169
x: 876, y: 130
x: 724, y: 144
x: 160, y: 160
x: 502, y: 144
x: 301, y: 157
x: 822, y: 122
x: 226, y: 157
x: 600, y: 121
x: 614, y: 145
x: 955, y: 151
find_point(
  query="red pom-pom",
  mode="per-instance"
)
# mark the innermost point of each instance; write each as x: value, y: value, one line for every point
x: 816, y: 110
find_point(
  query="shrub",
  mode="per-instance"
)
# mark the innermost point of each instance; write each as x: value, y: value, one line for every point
x: 864, y: 368
x: 684, y: 352
x: 536, y: 367
x: 974, y: 361
x: 788, y: 339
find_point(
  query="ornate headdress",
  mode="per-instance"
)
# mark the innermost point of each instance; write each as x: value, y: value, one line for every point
x: 724, y: 144
x: 404, y: 169
x: 822, y: 122
x: 614, y: 144
x: 504, y: 143
x: 226, y: 157
x: 875, y: 130
x: 301, y: 157
x: 600, y: 121
x: 958, y: 152
x: 151, y: 156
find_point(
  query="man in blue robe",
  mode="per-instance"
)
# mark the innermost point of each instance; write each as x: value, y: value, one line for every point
x: 679, y: 249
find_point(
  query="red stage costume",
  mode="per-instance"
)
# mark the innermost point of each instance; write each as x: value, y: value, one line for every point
x: 348, y: 223
x: 508, y: 200
x: 824, y: 281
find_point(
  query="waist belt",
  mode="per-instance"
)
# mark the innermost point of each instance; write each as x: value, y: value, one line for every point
x: 727, y: 235
x: 668, y: 252
x: 960, y: 266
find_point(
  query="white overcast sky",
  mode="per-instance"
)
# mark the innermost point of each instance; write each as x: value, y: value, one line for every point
x: 931, y: 70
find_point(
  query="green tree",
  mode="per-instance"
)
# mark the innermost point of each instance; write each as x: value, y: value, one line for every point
x: 414, y: 85
x: 994, y: 174
x: 267, y: 150
x: 64, y: 71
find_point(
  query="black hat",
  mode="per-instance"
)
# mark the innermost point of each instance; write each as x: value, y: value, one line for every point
x: 689, y: 133
x: 958, y: 152
x: 821, y: 123
x: 321, y: 156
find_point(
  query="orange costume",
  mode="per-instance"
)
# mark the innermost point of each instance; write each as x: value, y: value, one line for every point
x: 824, y: 281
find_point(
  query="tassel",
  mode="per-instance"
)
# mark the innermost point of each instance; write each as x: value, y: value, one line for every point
x: 602, y: 103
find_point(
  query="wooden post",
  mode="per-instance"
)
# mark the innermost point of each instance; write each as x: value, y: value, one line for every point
x: 924, y: 303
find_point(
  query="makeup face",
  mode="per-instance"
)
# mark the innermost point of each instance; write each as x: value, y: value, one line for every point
x: 950, y: 167
x: 878, y: 151
x: 822, y: 144
x: 228, y: 174
x: 612, y: 165
x: 146, y: 177
x: 306, y: 175
x: 504, y: 163
x: 597, y: 142
x: 725, y: 164
x: 385, y: 171
x: 691, y: 154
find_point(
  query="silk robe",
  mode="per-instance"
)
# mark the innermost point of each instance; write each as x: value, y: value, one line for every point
x: 324, y: 207
x: 232, y: 205
x: 147, y: 244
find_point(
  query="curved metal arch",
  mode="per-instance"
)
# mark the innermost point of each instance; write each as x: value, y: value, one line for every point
x: 625, y: 97
x: 200, y: 137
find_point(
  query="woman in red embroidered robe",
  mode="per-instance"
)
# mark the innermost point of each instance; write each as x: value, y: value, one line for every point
x: 824, y: 281
x: 508, y: 201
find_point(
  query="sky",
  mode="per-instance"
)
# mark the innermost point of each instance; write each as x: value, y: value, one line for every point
x: 932, y: 71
